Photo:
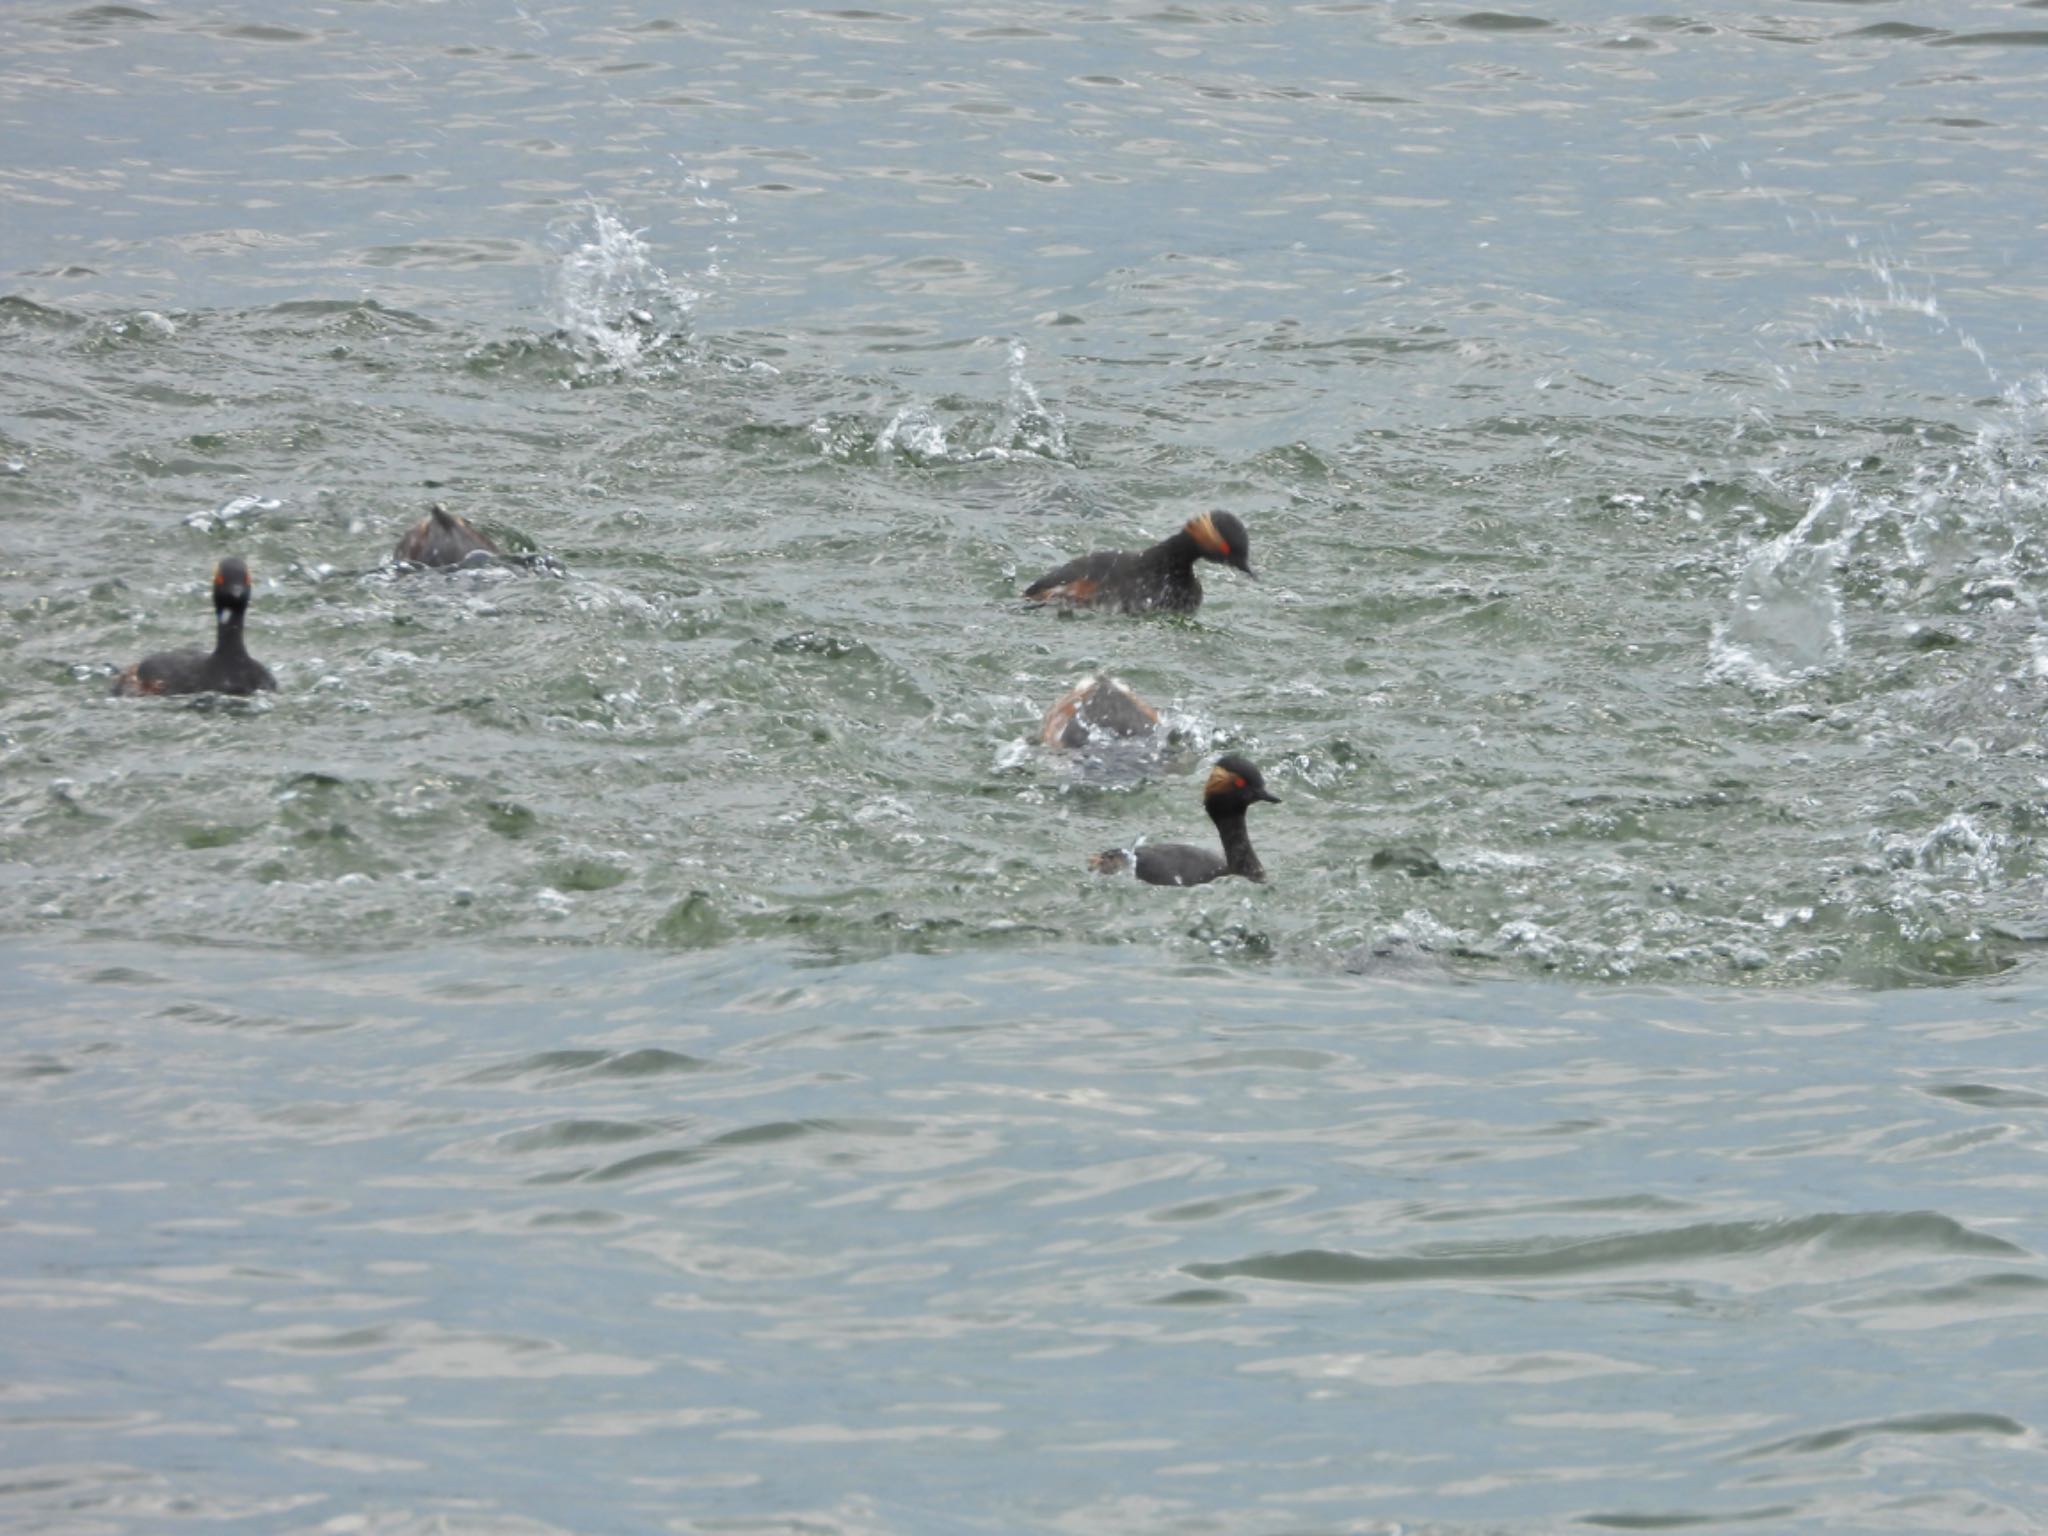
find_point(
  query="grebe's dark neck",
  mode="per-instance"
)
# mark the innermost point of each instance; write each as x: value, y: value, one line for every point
x: 1178, y: 552
x: 1237, y: 842
x: 227, y: 631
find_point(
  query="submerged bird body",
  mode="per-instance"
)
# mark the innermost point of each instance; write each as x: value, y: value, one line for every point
x: 442, y: 538
x: 227, y: 668
x: 1235, y: 785
x: 1097, y: 710
x: 1161, y: 577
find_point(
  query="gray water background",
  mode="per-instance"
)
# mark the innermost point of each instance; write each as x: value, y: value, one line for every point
x: 638, y: 1047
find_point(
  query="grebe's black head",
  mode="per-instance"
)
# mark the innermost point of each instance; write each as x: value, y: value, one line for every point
x: 1220, y: 536
x: 1235, y: 783
x: 231, y: 586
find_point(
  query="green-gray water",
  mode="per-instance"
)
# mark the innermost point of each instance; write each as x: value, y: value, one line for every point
x: 639, y: 963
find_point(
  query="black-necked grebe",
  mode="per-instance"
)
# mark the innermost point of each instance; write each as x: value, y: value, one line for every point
x: 1161, y: 577
x: 442, y: 538
x: 1235, y: 786
x: 1095, y: 710
x: 227, y: 668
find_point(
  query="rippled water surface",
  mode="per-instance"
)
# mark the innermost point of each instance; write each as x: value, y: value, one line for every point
x: 631, y: 1040
x: 1075, y: 1242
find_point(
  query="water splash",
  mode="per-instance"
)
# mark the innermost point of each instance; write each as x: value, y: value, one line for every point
x: 1955, y: 536
x: 1855, y: 322
x: 1785, y: 619
x: 231, y: 512
x: 1025, y: 428
x: 611, y: 301
x: 1030, y: 427
x: 916, y: 434
x: 1962, y: 845
x: 1898, y: 293
x: 720, y: 212
x: 1969, y: 525
x: 2008, y: 446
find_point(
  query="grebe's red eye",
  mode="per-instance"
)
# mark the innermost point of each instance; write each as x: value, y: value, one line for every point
x: 1238, y: 781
